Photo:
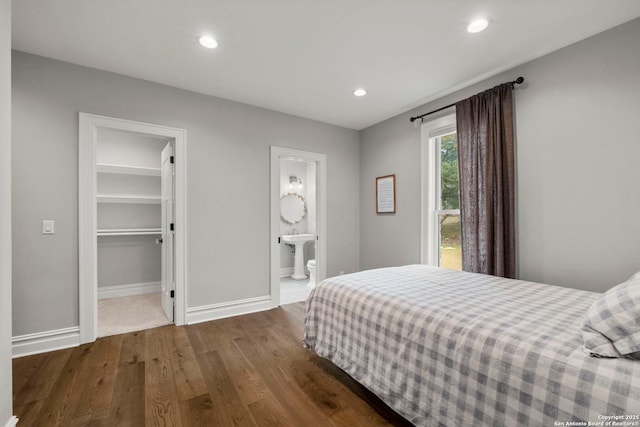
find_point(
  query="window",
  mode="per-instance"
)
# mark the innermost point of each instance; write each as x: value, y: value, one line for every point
x: 441, y: 226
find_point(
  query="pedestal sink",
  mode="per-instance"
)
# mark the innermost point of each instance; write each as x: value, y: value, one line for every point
x: 298, y: 262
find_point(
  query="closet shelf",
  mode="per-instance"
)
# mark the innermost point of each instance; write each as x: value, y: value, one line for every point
x: 127, y: 198
x: 128, y: 231
x: 127, y: 170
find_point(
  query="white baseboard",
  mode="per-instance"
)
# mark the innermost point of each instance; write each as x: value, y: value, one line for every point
x: 286, y: 271
x: 206, y: 313
x: 13, y: 421
x: 128, y: 289
x: 41, y: 342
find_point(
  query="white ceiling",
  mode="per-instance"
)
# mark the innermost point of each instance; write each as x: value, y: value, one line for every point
x: 305, y: 57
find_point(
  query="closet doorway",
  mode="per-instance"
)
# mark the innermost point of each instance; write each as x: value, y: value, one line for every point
x: 298, y: 223
x: 132, y: 228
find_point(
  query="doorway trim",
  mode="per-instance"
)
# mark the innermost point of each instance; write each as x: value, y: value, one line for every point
x: 278, y: 153
x: 87, y: 215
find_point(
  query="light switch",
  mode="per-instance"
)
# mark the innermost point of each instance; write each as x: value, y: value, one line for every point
x: 47, y: 226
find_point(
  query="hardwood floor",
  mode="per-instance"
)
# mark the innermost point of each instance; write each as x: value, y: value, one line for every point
x: 247, y: 371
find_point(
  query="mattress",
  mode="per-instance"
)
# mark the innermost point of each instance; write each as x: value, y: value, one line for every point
x: 444, y: 347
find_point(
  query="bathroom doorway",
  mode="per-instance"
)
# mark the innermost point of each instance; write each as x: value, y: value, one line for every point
x: 297, y: 224
x: 298, y: 229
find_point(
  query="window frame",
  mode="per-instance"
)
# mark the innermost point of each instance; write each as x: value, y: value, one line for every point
x: 430, y: 186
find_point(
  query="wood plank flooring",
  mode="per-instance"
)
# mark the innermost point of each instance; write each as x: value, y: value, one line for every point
x: 243, y: 371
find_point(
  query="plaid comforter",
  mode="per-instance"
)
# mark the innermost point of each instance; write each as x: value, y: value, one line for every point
x: 448, y: 348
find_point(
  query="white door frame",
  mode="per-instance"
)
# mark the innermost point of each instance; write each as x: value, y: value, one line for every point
x: 278, y: 153
x: 87, y: 215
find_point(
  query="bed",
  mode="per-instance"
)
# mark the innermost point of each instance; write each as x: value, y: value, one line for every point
x: 444, y: 348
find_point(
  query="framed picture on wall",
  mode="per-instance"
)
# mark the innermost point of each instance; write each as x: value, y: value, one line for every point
x: 386, y: 194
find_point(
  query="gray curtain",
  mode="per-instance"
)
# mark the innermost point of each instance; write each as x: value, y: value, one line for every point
x: 486, y: 165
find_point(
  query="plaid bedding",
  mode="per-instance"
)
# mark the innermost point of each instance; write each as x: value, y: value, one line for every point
x: 448, y: 348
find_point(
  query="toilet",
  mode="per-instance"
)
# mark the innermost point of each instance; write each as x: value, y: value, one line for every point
x: 311, y: 266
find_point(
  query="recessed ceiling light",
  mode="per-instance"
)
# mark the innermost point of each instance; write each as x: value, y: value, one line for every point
x: 208, y: 42
x: 477, y: 25
x: 359, y: 92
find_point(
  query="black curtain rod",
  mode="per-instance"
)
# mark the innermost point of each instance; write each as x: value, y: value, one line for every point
x: 517, y: 81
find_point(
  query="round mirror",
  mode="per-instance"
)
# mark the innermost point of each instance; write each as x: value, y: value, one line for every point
x: 293, y: 208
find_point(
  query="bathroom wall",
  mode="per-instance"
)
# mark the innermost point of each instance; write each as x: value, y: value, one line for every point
x: 310, y: 248
x: 311, y: 198
x: 307, y: 172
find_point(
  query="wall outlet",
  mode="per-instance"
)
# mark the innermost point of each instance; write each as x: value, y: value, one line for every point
x: 48, y: 226
x: 342, y: 272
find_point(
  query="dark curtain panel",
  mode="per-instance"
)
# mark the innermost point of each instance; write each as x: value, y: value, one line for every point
x: 487, y: 189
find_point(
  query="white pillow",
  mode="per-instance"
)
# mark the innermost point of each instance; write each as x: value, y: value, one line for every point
x: 612, y: 325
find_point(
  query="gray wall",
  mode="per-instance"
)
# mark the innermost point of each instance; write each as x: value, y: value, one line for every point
x: 126, y: 260
x: 577, y: 126
x: 228, y: 184
x: 5, y: 212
